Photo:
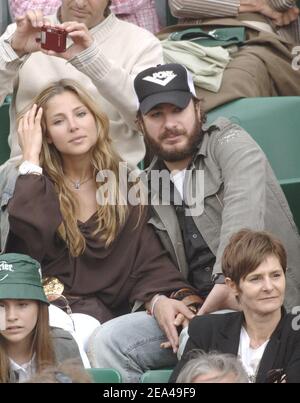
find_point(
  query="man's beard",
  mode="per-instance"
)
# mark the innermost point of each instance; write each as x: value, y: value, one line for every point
x: 169, y: 155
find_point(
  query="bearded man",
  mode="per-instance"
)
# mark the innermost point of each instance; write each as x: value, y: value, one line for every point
x: 220, y: 182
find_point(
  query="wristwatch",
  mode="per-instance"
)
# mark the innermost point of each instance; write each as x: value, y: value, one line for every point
x: 29, y: 168
x: 218, y: 278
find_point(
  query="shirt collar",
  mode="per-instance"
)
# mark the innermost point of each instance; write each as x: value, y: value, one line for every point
x: 24, y: 371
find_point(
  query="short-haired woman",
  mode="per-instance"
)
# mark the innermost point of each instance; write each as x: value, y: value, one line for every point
x: 263, y: 335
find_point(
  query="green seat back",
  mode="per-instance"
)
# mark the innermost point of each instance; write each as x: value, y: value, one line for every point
x: 171, y: 20
x: 4, y: 131
x: 156, y: 376
x: 274, y: 123
x: 105, y: 375
x: 291, y: 190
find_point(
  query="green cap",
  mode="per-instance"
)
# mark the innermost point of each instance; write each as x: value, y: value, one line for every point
x: 21, y: 278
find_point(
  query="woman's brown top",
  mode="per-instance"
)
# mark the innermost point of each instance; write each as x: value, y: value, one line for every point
x: 102, y: 282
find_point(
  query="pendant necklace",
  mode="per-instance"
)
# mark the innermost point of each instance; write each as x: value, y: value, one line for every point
x: 77, y: 183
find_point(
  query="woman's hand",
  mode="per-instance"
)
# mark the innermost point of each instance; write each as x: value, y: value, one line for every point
x: 30, y: 134
x: 26, y: 38
x: 170, y: 314
x: 81, y: 37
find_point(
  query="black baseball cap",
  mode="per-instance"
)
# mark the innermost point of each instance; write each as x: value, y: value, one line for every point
x: 166, y: 83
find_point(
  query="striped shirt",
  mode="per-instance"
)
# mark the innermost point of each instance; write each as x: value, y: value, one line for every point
x: 20, y: 7
x: 230, y: 8
x: 140, y: 12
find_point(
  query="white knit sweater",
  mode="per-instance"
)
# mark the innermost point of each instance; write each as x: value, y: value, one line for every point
x: 106, y: 69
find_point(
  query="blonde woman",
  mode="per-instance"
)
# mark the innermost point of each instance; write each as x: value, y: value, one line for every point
x: 104, y: 259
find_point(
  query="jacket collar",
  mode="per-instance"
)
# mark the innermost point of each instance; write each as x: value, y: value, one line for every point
x: 270, y: 354
x: 230, y: 333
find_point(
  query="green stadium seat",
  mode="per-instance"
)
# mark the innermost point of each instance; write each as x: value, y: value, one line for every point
x: 170, y: 19
x: 4, y: 131
x: 156, y: 376
x: 274, y: 123
x: 105, y: 375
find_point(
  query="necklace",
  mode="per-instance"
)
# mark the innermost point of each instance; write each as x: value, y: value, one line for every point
x: 77, y: 183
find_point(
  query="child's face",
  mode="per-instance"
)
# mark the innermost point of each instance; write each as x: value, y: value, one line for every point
x: 20, y: 319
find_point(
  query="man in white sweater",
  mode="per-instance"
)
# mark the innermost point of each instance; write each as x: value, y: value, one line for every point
x: 104, y: 54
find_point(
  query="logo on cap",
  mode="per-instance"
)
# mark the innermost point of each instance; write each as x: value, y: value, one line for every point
x: 4, y: 266
x: 162, y: 78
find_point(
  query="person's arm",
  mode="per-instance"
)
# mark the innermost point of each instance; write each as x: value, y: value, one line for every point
x: 232, y: 8
x: 282, y: 5
x: 34, y: 211
x: 10, y: 63
x: 166, y: 312
x: 243, y: 167
x: 115, y: 83
x: 280, y: 17
x: 34, y: 214
x: 220, y: 297
x: 154, y: 274
x: 18, y: 41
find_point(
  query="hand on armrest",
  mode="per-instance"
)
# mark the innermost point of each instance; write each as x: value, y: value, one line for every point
x: 264, y: 7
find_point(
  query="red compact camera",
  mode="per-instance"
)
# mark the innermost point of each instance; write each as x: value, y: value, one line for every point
x: 53, y: 38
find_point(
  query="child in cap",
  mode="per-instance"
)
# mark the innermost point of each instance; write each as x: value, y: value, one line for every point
x: 27, y: 343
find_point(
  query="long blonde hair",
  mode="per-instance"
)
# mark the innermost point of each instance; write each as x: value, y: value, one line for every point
x: 42, y: 345
x: 109, y: 217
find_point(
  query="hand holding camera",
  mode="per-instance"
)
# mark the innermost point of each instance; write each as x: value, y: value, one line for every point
x: 34, y: 33
x: 53, y: 38
x: 28, y: 29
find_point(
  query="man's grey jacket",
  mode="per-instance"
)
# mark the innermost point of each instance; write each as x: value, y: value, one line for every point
x: 240, y: 190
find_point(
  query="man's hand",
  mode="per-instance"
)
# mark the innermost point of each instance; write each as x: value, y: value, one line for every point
x: 220, y: 297
x: 26, y: 38
x: 287, y: 17
x: 263, y: 7
x: 180, y: 321
x: 81, y: 37
x: 169, y: 314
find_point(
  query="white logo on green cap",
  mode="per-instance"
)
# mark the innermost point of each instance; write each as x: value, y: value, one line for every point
x: 4, y: 266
